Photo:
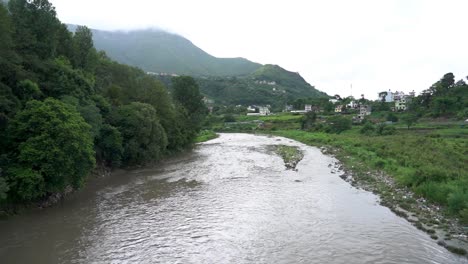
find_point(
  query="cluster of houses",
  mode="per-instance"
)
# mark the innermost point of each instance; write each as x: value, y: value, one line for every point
x: 363, y: 109
x: 265, y: 82
x: 255, y: 110
x: 399, y: 98
x: 162, y: 74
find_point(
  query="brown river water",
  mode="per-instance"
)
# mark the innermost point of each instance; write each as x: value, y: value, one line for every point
x: 230, y: 200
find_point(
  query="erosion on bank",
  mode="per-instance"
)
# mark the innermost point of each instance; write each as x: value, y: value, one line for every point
x: 291, y: 155
x: 398, y: 168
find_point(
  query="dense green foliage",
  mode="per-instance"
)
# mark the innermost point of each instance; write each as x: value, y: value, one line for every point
x: 269, y: 85
x: 54, y: 149
x: 159, y: 51
x: 444, y: 98
x: 64, y: 106
x: 205, y: 135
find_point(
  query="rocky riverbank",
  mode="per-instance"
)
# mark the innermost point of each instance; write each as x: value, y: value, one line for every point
x: 425, y: 216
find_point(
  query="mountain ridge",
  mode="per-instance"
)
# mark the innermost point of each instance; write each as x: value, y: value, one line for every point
x: 156, y: 50
x: 226, y: 80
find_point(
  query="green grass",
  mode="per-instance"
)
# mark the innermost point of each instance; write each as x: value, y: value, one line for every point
x: 205, y: 135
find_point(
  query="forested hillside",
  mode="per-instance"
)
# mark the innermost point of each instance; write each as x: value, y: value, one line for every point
x: 160, y: 51
x: 269, y: 84
x: 65, y: 107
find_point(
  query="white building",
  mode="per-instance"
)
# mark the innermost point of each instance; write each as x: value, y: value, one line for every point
x: 400, y: 104
x: 388, y: 96
x: 258, y: 111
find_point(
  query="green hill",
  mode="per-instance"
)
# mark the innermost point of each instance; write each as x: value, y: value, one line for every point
x: 227, y: 81
x: 270, y: 84
x: 160, y: 51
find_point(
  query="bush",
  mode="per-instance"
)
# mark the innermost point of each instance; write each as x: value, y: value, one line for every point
x: 434, y: 192
x: 339, y: 124
x: 464, y: 215
x: 367, y: 129
x: 392, y: 117
x: 26, y: 184
x: 229, y: 118
x: 457, y: 201
x: 385, y: 130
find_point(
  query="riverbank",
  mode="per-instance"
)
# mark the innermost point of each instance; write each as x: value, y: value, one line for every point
x: 368, y: 163
x: 205, y: 135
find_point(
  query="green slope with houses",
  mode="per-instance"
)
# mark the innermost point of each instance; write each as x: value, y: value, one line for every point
x: 268, y: 85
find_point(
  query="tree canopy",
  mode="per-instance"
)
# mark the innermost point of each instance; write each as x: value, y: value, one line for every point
x: 65, y: 107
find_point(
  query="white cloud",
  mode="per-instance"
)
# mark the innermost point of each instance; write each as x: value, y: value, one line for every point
x: 375, y: 45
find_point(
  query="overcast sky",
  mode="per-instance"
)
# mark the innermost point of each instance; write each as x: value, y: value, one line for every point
x: 373, y: 45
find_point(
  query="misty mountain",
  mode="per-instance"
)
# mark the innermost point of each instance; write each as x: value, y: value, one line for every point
x: 225, y: 80
x: 160, y: 51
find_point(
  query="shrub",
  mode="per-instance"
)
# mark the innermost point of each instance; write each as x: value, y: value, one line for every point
x: 229, y: 118
x: 339, y: 124
x: 392, y: 117
x: 367, y: 129
x: 457, y: 201
x: 385, y: 130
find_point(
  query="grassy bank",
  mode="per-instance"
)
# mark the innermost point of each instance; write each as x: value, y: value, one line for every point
x: 419, y: 177
x: 434, y: 168
x: 205, y: 135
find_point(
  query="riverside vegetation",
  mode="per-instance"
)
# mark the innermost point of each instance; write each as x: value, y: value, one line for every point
x: 418, y: 164
x: 65, y: 107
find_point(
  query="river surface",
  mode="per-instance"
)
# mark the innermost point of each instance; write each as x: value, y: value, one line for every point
x: 230, y: 200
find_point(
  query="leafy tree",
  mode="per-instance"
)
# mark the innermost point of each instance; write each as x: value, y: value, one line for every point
x: 26, y: 184
x: 4, y: 188
x: 308, y: 120
x: 229, y: 118
x: 368, y: 129
x: 84, y: 54
x: 109, y: 145
x: 409, y: 119
x: 36, y: 27
x: 144, y: 139
x: 187, y: 93
x: 62, y: 79
x: 57, y: 153
x: 89, y: 111
x: 28, y: 90
x: 392, y: 117
x: 8, y: 57
x: 384, y: 130
x: 339, y: 124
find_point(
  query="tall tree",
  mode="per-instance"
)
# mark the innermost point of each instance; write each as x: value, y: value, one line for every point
x: 57, y: 153
x: 187, y: 93
x: 144, y: 139
x: 36, y: 26
x: 84, y: 53
x: 8, y: 58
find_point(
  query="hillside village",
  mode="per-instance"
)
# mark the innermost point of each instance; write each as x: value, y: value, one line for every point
x: 397, y: 101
